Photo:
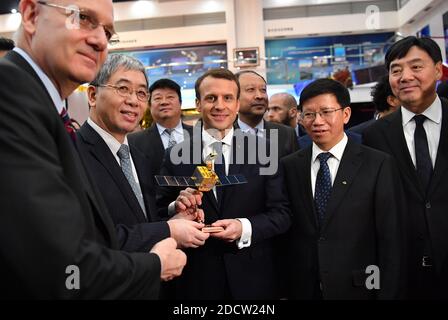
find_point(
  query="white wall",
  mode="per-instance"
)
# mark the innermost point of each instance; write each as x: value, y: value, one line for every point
x: 353, y: 23
x: 433, y: 18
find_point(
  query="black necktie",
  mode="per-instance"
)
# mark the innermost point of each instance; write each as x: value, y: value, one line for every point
x: 323, y: 186
x: 220, y: 166
x: 422, y: 157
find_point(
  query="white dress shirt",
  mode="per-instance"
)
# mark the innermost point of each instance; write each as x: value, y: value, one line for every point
x: 432, y: 126
x: 113, y: 145
x: 178, y: 134
x: 227, y: 141
x: 51, y: 88
x: 258, y: 129
x: 333, y: 162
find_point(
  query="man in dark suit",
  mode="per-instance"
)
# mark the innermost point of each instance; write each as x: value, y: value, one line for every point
x: 253, y: 105
x: 165, y: 103
x: 345, y: 207
x: 416, y: 135
x: 58, y: 240
x: 237, y: 262
x: 114, y: 112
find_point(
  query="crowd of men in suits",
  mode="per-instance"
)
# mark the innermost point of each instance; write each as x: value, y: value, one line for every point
x: 311, y: 230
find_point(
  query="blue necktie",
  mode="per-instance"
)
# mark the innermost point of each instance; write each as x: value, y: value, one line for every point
x: 422, y: 157
x: 323, y: 186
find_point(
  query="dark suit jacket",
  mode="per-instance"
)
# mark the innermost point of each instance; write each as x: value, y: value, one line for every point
x: 118, y: 195
x: 150, y: 144
x: 359, y: 128
x: 218, y: 269
x: 52, y: 216
x: 431, y: 208
x: 287, y: 138
x: 361, y: 227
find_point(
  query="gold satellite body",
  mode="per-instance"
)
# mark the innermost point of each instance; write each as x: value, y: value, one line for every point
x: 204, y: 178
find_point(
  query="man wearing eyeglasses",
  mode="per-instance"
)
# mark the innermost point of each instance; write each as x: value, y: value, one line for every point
x: 118, y: 97
x: 345, y: 204
x: 57, y: 239
x: 168, y: 129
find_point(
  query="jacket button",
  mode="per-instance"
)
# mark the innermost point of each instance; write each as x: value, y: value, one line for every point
x: 428, y: 205
x: 322, y: 239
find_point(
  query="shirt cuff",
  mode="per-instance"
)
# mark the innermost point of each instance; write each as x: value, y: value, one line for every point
x: 172, y: 209
x: 246, y: 234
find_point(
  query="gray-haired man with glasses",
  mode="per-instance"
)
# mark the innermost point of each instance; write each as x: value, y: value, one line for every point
x: 118, y: 97
x: 57, y: 239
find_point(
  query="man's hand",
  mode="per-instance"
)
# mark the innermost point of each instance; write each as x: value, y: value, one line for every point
x: 198, y: 215
x: 232, y: 230
x: 188, y: 201
x: 172, y: 260
x: 187, y: 233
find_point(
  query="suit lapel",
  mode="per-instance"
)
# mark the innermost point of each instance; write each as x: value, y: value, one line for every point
x: 442, y: 152
x: 143, y: 168
x: 350, y: 163
x: 398, y: 146
x: 100, y: 150
x: 234, y: 168
x: 303, y: 165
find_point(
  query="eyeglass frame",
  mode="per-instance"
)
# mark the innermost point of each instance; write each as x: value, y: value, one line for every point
x: 92, y: 21
x: 131, y: 91
x: 329, y: 112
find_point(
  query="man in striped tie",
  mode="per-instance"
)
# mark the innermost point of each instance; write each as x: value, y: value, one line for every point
x: 118, y: 97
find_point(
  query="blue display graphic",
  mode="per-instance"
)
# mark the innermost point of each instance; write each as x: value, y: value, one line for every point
x: 290, y: 61
x: 183, y: 65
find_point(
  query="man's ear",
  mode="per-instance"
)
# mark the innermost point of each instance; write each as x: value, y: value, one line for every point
x: 198, y: 105
x: 439, y: 70
x: 292, y: 113
x: 347, y: 111
x: 29, y: 11
x: 91, y: 96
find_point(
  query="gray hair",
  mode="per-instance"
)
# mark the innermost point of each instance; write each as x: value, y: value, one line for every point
x: 115, y: 62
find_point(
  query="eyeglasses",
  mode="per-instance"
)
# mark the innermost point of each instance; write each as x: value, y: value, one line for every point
x: 326, y: 114
x: 79, y: 18
x: 126, y: 92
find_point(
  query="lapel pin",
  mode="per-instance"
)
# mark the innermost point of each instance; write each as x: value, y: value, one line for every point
x: 344, y: 182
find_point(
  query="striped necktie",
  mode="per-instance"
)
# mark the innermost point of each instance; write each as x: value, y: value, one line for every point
x: 68, y: 124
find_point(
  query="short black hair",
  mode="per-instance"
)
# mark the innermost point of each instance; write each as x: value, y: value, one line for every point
x: 6, y: 44
x: 325, y: 86
x: 380, y: 92
x: 165, y: 84
x: 401, y: 48
x: 218, y: 73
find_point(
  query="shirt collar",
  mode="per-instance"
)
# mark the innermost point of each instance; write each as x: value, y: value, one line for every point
x: 178, y: 128
x: 245, y: 127
x: 433, y: 113
x: 337, y: 151
x: 208, y: 140
x: 113, y: 144
x: 51, y: 89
